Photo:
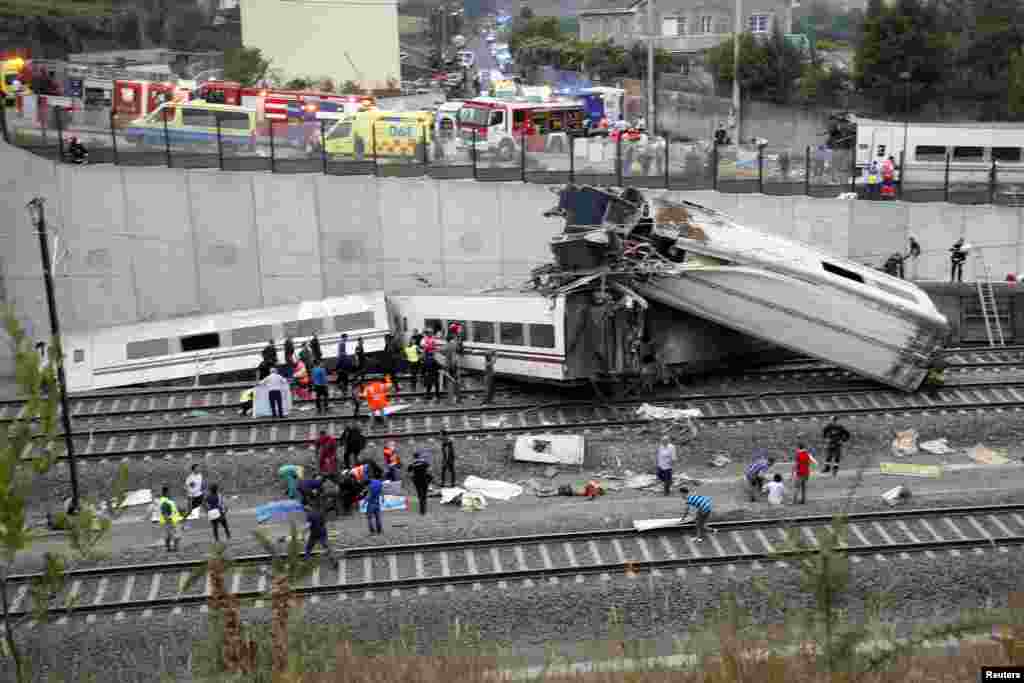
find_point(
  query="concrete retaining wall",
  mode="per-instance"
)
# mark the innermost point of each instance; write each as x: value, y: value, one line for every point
x: 150, y: 243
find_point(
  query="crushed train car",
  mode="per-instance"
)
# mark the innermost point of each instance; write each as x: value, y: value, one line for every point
x: 696, y: 261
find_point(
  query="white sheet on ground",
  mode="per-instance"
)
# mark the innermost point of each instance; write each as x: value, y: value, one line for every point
x: 641, y: 481
x: 391, y: 410
x: 563, y: 449
x: 662, y: 413
x: 937, y: 447
x: 137, y: 497
x: 449, y: 495
x: 646, y: 524
x: 492, y: 488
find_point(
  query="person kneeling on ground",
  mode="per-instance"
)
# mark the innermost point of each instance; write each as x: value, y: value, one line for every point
x: 701, y: 505
x: 756, y: 472
x: 776, y: 490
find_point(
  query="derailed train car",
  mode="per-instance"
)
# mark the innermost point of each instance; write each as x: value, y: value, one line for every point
x: 698, y: 261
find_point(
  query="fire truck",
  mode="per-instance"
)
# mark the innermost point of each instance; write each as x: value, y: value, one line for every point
x: 135, y: 99
x: 15, y: 77
x: 294, y: 116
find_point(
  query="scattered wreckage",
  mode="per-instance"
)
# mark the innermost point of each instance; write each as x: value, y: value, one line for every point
x: 671, y: 283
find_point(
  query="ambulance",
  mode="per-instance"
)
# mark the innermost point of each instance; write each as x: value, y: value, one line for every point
x: 376, y: 133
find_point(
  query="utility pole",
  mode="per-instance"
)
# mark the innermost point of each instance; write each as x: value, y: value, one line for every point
x: 35, y: 208
x: 650, y: 67
x: 737, y: 32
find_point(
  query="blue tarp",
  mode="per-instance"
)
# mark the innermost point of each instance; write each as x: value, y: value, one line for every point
x: 277, y: 508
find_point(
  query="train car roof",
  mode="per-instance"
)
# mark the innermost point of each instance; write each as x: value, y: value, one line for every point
x: 504, y: 292
x: 975, y: 125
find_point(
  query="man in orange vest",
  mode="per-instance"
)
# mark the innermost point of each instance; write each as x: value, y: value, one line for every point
x: 377, y: 395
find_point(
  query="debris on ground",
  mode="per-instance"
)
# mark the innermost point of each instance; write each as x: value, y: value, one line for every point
x: 652, y: 412
x: 905, y: 443
x: 389, y: 504
x: 983, y: 455
x: 137, y: 497
x: 472, y: 501
x: 900, y: 494
x: 493, y: 422
x: 198, y: 413
x: 492, y: 488
x: 908, y: 470
x: 451, y: 495
x: 647, y: 524
x: 640, y: 481
x: 561, y: 449
x: 937, y: 447
x: 720, y: 460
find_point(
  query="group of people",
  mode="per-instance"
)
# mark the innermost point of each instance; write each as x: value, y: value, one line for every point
x: 207, y: 501
x: 880, y: 178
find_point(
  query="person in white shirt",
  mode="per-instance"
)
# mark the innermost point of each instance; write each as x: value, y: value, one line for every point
x: 664, y: 458
x: 195, y: 490
x: 278, y: 386
x: 776, y: 490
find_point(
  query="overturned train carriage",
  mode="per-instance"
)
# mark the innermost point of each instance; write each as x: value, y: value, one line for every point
x: 695, y: 261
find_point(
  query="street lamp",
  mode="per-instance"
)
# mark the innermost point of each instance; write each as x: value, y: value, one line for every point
x: 38, y: 218
x: 905, y: 77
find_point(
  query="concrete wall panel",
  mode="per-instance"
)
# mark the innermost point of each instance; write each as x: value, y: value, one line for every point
x: 771, y: 214
x: 351, y: 234
x: 412, y: 236
x: 878, y: 229
x: 824, y: 223
x: 472, y: 240
x: 288, y: 225
x: 227, y: 240
x: 525, y: 232
x: 159, y: 238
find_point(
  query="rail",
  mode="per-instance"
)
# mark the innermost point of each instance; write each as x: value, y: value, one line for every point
x: 553, y: 556
x: 552, y: 158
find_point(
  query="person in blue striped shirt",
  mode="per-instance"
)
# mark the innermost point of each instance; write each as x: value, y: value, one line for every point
x: 701, y: 505
x: 756, y: 473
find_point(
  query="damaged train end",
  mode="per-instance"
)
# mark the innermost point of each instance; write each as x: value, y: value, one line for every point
x: 698, y: 262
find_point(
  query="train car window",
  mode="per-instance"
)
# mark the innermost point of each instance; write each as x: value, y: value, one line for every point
x: 841, y: 272
x: 79, y: 356
x: 251, y: 335
x: 968, y: 153
x: 542, y: 336
x: 512, y: 334
x: 200, y: 342
x: 1011, y: 154
x: 405, y: 324
x: 354, y: 321
x: 432, y: 324
x: 929, y: 153
x: 148, y: 348
x: 482, y: 332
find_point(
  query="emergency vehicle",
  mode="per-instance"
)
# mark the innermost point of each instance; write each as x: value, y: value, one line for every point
x: 135, y: 99
x: 376, y: 133
x: 15, y: 77
x: 195, y: 123
x: 498, y: 126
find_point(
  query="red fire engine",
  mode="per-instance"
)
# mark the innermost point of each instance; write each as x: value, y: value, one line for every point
x: 133, y: 99
x: 283, y: 105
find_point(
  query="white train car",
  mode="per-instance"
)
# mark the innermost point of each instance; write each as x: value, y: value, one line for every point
x: 182, y: 348
x: 972, y: 148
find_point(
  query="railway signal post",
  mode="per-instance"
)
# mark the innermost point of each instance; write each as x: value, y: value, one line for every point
x: 38, y: 216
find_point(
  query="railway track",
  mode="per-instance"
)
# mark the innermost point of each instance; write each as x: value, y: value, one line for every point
x: 222, y: 400
x: 519, y: 561
x: 249, y: 435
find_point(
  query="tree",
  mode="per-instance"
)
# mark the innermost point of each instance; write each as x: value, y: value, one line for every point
x: 286, y: 570
x: 768, y: 68
x: 29, y: 448
x: 245, y: 65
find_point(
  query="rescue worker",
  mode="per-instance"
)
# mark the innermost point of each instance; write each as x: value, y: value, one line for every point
x: 756, y: 473
x: 170, y: 519
x: 377, y: 397
x: 835, y: 436
x: 489, y: 377
x: 392, y: 462
x: 872, y: 176
x: 289, y: 352
x: 76, y: 153
x: 353, y: 440
x: 451, y: 362
x: 270, y: 353
x: 913, y: 252
x: 447, y: 456
x: 306, y: 355
x: 411, y: 353
x: 327, y: 456
x: 387, y: 361
x: 343, y: 366
x: 245, y: 401
x: 317, y: 532
x: 309, y: 491
x: 957, y: 256
x: 277, y: 386
x: 888, y: 177
x: 320, y: 389
x: 373, y: 505
x: 263, y: 370
x: 360, y: 358
x: 431, y: 376
x: 291, y: 474
x: 314, y: 347
x: 421, y: 478
x: 302, y: 380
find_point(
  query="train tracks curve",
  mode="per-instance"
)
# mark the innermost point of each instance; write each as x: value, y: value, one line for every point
x: 252, y: 434
x: 521, y: 560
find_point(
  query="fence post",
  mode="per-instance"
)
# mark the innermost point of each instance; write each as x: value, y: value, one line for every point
x: 760, y: 169
x: 60, y: 133
x: 618, y: 160
x: 853, y: 169
x: 167, y: 139
x: 220, y: 147
x: 714, y: 166
x: 472, y: 153
x: 666, y: 162
x: 426, y: 152
x: 3, y: 118
x: 323, y: 147
x: 373, y: 146
x: 807, y: 170
x: 945, y: 184
x: 992, y: 182
x: 899, y: 187
x: 113, y: 138
x: 273, y: 152
x: 522, y: 156
x: 572, y: 158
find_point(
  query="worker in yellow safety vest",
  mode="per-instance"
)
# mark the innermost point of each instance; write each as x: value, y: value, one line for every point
x: 170, y: 519
x: 412, y: 360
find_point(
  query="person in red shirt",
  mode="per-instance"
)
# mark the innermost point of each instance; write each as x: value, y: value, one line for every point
x: 327, y: 456
x: 802, y: 472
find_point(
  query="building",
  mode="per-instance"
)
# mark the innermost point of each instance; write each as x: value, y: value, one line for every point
x: 345, y: 40
x: 684, y: 26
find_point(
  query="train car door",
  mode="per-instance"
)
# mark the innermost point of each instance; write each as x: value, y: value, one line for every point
x: 883, y: 143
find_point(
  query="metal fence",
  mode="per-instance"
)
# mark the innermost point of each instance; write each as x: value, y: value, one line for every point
x: 549, y: 159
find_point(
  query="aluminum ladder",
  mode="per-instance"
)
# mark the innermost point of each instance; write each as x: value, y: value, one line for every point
x: 987, y: 297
